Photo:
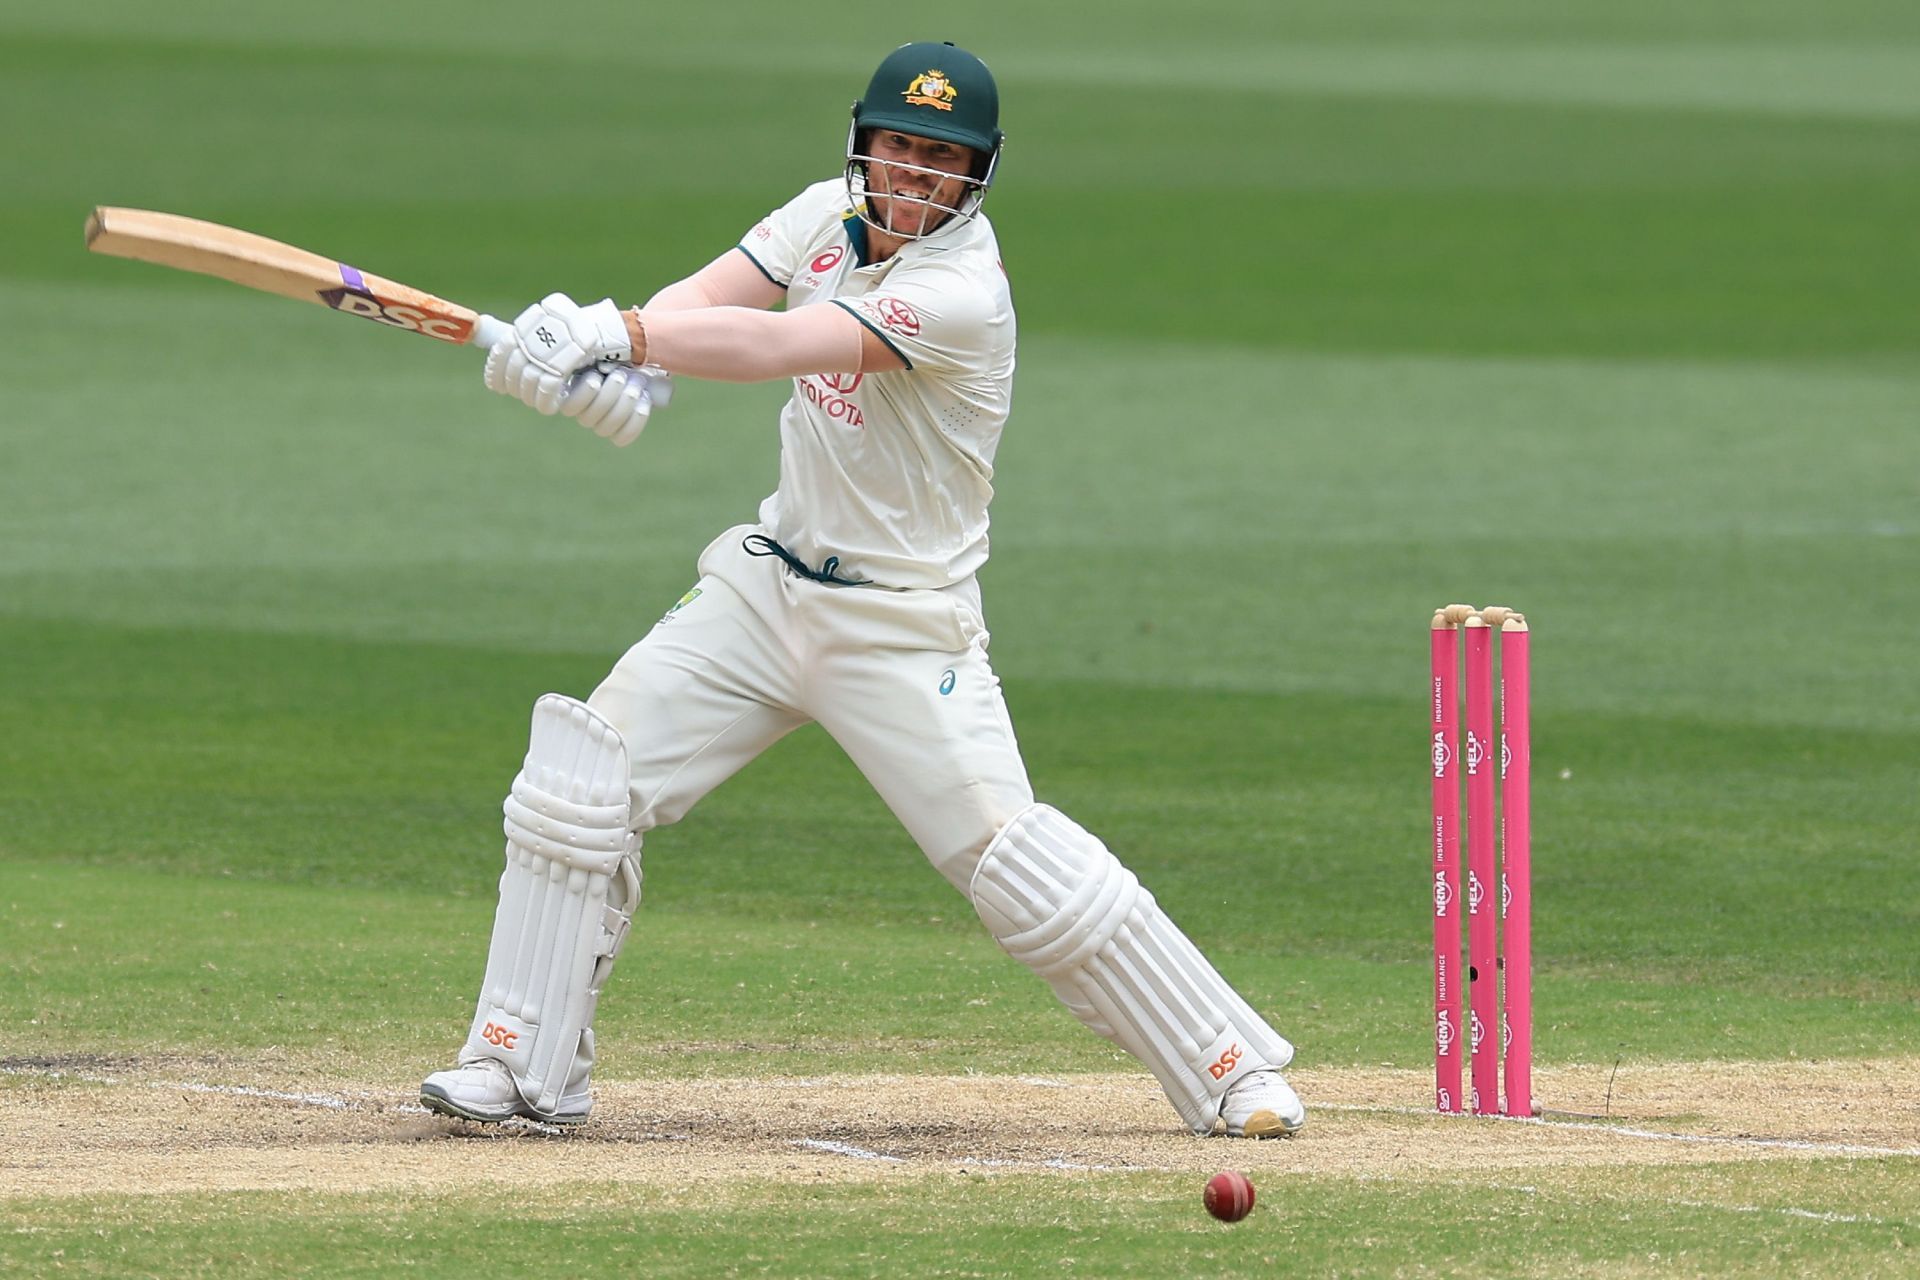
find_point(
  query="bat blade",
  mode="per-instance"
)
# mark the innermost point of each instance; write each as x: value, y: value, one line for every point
x: 208, y: 248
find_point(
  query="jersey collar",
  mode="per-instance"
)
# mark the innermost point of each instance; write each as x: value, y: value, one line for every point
x: 857, y: 236
x: 863, y: 250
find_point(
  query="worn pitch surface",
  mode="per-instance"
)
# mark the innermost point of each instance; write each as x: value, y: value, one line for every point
x: 103, y: 1126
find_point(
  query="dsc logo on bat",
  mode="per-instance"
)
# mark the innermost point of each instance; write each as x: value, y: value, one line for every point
x: 365, y: 305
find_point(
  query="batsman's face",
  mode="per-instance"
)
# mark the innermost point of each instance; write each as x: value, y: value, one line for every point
x: 927, y: 174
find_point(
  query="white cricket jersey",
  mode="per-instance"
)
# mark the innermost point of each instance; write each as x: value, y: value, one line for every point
x: 891, y: 472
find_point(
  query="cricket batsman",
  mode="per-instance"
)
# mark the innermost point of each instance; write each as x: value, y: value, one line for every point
x: 851, y: 601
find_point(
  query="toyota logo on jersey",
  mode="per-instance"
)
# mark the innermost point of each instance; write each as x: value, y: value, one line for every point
x: 897, y: 316
x: 844, y: 383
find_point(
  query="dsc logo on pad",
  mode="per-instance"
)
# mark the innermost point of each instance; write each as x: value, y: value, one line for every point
x: 1228, y: 1061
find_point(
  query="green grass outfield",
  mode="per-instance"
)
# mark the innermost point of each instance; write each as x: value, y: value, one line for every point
x: 1121, y: 1225
x: 1331, y: 314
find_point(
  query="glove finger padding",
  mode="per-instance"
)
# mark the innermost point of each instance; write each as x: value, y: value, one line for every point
x: 606, y: 401
x: 624, y: 430
x: 510, y: 373
x: 551, y: 393
x: 536, y: 388
x: 619, y: 412
x: 582, y: 391
x: 499, y: 357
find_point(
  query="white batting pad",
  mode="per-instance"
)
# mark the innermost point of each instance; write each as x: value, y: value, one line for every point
x: 1057, y: 901
x: 571, y: 883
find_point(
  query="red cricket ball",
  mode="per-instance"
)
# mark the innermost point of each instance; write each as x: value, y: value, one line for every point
x: 1229, y: 1196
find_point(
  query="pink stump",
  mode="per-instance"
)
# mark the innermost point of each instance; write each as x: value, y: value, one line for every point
x: 1483, y: 992
x: 1516, y: 748
x: 1446, y: 868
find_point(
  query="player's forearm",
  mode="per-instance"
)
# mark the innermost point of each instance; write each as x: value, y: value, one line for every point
x: 739, y: 344
x: 730, y: 280
x: 682, y: 295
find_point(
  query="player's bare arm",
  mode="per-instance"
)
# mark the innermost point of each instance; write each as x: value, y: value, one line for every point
x: 737, y: 344
x: 730, y: 280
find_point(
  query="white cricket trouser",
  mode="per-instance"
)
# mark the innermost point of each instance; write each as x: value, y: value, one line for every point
x: 900, y: 679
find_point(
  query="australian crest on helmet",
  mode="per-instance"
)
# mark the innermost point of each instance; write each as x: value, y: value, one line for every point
x: 931, y: 88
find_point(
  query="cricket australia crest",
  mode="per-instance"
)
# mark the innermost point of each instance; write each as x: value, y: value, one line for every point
x: 931, y: 88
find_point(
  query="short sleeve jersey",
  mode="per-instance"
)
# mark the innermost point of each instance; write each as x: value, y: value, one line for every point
x: 891, y: 472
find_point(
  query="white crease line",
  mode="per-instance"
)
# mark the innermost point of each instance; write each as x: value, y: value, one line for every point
x: 1784, y: 1144
x: 332, y: 1102
x: 845, y: 1149
x: 248, y: 1091
x: 1813, y: 1214
x: 861, y: 1153
x: 819, y: 1082
x: 1789, y: 1211
x: 1055, y: 1163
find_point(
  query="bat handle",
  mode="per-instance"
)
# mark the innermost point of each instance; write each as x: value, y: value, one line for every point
x: 487, y: 331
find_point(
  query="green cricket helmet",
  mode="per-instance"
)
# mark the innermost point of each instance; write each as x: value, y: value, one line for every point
x: 929, y: 90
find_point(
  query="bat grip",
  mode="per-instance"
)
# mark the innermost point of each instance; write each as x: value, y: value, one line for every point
x: 487, y: 331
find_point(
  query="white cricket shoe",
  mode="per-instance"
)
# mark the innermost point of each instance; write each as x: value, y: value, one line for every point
x: 1263, y: 1105
x: 485, y: 1091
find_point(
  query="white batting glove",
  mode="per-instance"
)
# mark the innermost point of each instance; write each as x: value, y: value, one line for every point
x: 560, y: 336
x: 556, y: 338
x: 614, y: 401
x: 510, y: 373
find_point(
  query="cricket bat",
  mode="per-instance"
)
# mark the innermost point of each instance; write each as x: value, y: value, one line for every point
x: 188, y: 244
